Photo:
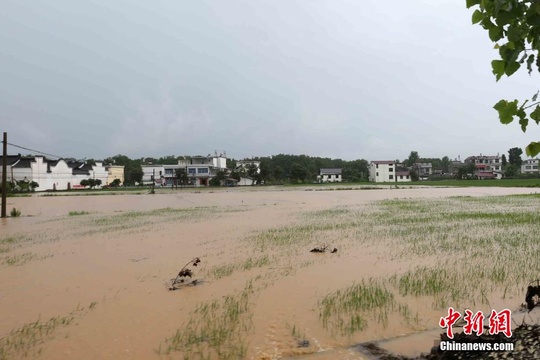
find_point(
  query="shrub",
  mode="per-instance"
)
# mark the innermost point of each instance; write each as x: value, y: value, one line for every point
x: 15, y: 212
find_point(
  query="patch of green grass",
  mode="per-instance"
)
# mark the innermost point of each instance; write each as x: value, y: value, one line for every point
x: 77, y: 213
x: 346, y: 311
x: 220, y: 271
x: 25, y: 342
x: 474, y: 183
x: 21, y: 259
x: 216, y: 329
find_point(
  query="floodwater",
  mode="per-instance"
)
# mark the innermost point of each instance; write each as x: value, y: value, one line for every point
x: 111, y: 270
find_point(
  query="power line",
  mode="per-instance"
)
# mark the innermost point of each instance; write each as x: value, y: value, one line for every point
x: 36, y: 151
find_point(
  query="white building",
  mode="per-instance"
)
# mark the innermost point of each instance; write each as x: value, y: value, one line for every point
x: 53, y: 174
x: 157, y: 172
x: 200, y: 169
x: 329, y: 175
x: 242, y: 167
x: 487, y: 167
x: 529, y: 166
x: 387, y: 171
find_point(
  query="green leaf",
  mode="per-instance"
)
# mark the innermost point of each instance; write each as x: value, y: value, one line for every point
x: 535, y: 115
x: 477, y: 16
x: 533, y: 149
x: 495, y: 34
x: 498, y: 68
x: 523, y: 121
x: 507, y: 110
x: 472, y: 3
x: 513, y: 33
x: 535, y: 96
x: 511, y: 68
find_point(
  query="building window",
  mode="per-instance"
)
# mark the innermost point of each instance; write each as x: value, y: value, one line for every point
x: 377, y: 166
x: 202, y: 171
x: 391, y: 177
x: 376, y: 174
x: 391, y: 169
x: 535, y: 167
x: 401, y: 177
x: 192, y: 171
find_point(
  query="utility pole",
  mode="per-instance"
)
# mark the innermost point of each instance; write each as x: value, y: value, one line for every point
x: 153, y: 181
x: 4, y: 176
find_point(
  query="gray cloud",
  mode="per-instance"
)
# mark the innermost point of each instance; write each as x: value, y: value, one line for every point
x: 336, y: 78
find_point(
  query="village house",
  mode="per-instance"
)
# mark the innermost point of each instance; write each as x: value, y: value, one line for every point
x: 424, y: 170
x: 243, y: 167
x: 387, y: 171
x: 329, y: 175
x: 487, y: 167
x: 115, y: 172
x: 61, y: 174
x: 200, y: 169
x: 529, y: 166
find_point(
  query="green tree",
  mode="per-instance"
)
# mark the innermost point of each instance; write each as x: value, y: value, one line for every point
x: 92, y: 183
x: 470, y: 168
x: 413, y: 158
x: 514, y: 27
x: 133, y: 172
x: 33, y: 185
x: 514, y: 157
x: 115, y: 183
x: 278, y: 173
x: 445, y: 164
x: 511, y: 170
x: 299, y: 172
x: 253, y: 172
x: 84, y: 182
x: 182, y: 176
x: 503, y: 160
x: 216, y: 180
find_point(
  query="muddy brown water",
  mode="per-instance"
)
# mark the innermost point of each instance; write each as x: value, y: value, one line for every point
x: 123, y: 271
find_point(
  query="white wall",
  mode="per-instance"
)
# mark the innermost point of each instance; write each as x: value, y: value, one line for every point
x: 382, y: 173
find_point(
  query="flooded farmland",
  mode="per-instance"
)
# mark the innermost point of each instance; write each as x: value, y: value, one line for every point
x: 88, y: 277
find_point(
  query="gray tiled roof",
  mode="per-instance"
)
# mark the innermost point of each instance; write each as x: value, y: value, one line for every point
x: 330, y: 171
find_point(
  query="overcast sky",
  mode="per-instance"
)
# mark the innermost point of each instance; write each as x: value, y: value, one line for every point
x: 343, y: 79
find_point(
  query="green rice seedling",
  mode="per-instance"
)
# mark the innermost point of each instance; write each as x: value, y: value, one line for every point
x: 77, y: 213
x: 25, y: 341
x: 218, y: 272
x: 15, y: 212
x: 216, y: 329
x: 21, y: 259
x: 255, y: 262
x: 345, y: 311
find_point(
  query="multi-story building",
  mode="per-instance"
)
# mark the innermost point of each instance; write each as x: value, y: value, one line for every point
x: 530, y: 166
x: 487, y: 167
x: 387, y: 171
x: 424, y: 170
